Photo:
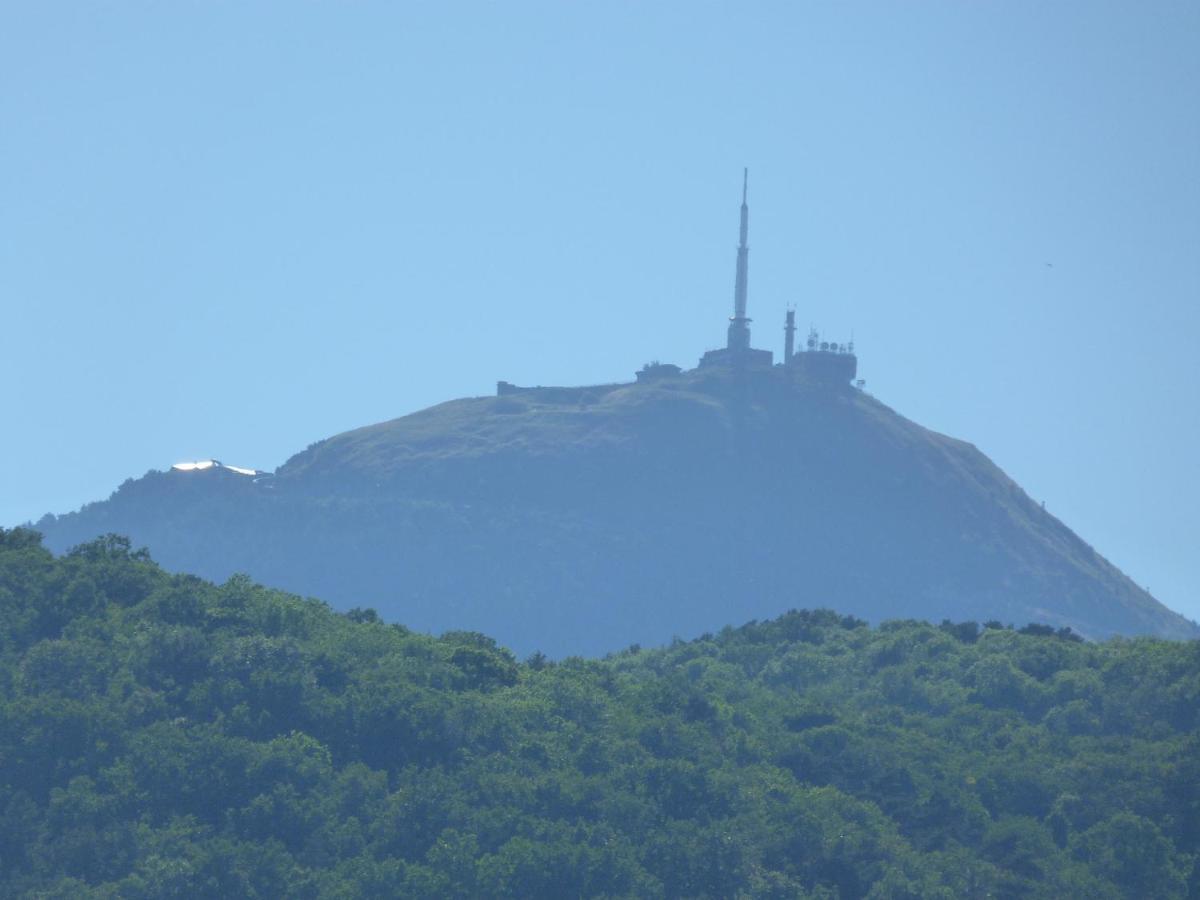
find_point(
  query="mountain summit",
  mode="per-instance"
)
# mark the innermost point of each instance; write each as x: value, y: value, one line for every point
x: 581, y: 520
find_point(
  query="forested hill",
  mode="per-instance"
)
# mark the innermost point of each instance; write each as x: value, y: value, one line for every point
x: 580, y: 520
x: 163, y: 736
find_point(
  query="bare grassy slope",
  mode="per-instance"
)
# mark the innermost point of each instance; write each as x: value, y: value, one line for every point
x: 582, y: 520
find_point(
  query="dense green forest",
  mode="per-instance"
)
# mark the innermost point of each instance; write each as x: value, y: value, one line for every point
x: 161, y: 736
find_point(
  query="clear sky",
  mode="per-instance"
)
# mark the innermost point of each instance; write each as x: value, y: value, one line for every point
x: 231, y: 229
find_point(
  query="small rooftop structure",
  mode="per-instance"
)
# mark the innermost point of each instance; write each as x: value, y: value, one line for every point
x: 656, y: 371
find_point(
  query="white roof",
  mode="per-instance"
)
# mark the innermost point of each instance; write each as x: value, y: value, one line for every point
x: 194, y: 466
x: 201, y: 464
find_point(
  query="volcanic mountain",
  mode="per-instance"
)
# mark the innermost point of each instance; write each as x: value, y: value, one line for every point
x: 581, y: 520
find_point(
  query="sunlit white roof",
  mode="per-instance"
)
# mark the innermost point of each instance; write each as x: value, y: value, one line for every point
x: 193, y: 466
x: 200, y: 464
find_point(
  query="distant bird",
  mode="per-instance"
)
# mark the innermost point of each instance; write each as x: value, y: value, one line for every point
x: 1050, y: 265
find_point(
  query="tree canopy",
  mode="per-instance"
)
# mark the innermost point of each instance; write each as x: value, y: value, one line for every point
x: 164, y: 736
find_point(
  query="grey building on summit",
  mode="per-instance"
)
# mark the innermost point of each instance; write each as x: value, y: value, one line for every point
x: 825, y: 360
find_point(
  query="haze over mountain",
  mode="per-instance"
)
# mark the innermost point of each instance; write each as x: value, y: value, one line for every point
x: 581, y: 520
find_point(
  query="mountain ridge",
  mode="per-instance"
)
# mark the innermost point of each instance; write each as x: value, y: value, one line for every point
x: 585, y: 519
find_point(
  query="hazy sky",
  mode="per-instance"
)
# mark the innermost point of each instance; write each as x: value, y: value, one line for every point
x: 232, y: 229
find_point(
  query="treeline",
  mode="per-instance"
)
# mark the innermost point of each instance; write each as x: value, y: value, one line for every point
x: 161, y: 736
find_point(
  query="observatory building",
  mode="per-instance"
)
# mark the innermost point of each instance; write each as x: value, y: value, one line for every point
x: 820, y: 360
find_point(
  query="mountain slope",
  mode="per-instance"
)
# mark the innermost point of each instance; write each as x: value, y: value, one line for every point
x: 582, y: 520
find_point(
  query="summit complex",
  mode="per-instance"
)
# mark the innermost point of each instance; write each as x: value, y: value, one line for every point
x: 580, y: 520
x: 817, y: 360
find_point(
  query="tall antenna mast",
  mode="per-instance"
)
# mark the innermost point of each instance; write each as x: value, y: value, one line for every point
x: 739, y: 325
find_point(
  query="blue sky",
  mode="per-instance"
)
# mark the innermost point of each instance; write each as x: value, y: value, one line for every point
x: 232, y: 229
